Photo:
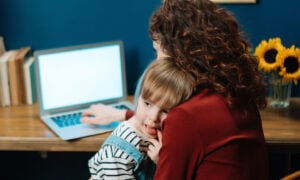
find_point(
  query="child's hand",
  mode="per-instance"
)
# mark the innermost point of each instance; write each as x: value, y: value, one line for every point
x: 102, y: 114
x: 154, y: 147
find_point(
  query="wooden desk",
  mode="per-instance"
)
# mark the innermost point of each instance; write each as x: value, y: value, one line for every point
x: 282, y: 126
x: 22, y: 130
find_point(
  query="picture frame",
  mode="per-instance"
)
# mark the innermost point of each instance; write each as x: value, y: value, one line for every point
x: 235, y: 1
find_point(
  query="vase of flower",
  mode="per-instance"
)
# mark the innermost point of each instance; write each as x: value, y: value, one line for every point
x: 282, y: 67
x: 279, y: 93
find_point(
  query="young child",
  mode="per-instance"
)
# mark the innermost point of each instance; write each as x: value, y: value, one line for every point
x: 124, y: 154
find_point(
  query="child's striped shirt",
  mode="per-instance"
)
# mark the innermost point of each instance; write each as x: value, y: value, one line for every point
x: 111, y: 162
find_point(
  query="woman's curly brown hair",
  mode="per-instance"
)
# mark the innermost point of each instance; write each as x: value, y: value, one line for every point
x: 205, y: 39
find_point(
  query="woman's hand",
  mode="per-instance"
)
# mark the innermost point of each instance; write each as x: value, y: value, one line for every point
x: 154, y: 147
x: 102, y: 114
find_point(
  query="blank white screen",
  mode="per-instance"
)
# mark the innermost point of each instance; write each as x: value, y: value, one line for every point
x: 80, y: 76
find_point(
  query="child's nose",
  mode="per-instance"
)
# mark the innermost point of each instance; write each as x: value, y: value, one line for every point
x: 154, y: 117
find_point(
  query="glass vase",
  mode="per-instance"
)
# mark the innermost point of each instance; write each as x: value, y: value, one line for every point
x: 280, y: 93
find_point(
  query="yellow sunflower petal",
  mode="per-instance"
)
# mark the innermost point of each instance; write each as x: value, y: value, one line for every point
x: 266, y: 53
x: 289, y: 60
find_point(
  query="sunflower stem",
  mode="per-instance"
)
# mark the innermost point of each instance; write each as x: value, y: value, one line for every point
x: 280, y: 91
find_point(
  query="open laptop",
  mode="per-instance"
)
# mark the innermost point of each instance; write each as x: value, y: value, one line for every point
x: 70, y: 79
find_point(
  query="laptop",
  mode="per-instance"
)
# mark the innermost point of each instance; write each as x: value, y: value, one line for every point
x: 70, y: 79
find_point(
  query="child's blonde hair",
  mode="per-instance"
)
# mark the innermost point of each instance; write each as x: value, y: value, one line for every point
x: 166, y: 84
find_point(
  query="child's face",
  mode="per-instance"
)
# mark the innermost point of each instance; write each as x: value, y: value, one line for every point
x: 150, y: 116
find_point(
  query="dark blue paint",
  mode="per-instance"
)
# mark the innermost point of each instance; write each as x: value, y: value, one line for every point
x: 49, y: 24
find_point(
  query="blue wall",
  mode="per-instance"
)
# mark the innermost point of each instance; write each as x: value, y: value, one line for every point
x: 270, y: 18
x: 45, y: 24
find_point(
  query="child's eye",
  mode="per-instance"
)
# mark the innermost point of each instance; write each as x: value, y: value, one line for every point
x: 166, y: 111
x: 147, y: 103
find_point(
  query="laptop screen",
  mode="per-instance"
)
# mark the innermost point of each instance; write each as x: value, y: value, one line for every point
x: 80, y: 75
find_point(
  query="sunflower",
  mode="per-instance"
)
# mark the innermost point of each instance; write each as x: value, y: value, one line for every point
x: 266, y: 53
x: 289, y: 60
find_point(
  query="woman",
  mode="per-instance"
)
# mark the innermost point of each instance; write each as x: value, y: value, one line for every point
x: 217, y: 134
x: 221, y: 135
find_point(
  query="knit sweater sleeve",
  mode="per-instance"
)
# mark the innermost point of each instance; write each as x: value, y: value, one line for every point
x: 129, y: 114
x: 178, y: 154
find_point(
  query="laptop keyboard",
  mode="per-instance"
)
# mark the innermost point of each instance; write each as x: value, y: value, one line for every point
x: 67, y: 120
x: 74, y: 118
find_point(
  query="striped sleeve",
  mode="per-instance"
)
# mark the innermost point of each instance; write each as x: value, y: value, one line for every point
x: 111, y: 162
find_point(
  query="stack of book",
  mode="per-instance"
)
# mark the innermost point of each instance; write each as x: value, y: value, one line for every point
x: 17, y: 81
